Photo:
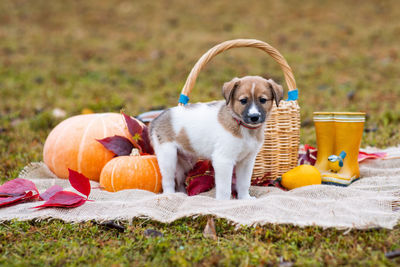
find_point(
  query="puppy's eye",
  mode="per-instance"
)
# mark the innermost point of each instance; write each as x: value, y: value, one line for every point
x: 263, y: 100
x: 243, y: 101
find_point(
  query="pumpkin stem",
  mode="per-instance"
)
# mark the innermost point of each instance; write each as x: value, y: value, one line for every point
x: 135, y: 152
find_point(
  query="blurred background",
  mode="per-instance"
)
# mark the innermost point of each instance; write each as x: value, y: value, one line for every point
x: 61, y: 58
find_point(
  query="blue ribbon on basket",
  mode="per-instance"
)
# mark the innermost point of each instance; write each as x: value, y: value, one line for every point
x: 293, y: 95
x: 183, y: 99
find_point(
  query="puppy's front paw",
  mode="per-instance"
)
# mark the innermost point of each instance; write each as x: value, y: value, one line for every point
x: 246, y: 196
x: 181, y: 189
x: 222, y: 195
x: 168, y: 190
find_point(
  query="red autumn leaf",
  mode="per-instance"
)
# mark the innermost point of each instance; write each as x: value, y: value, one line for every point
x: 134, y: 126
x: 139, y: 135
x: 308, y: 155
x: 17, y: 187
x: 80, y: 182
x: 50, y: 192
x: 201, y: 179
x: 364, y: 155
x: 16, y: 199
x: 59, y: 205
x: 77, y: 204
x: 64, y: 199
x: 201, y: 167
x: 119, y: 145
x: 272, y: 183
x: 200, y: 184
x: 29, y: 197
x: 144, y: 142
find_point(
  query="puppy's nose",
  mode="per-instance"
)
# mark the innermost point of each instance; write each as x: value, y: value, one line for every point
x: 254, y: 117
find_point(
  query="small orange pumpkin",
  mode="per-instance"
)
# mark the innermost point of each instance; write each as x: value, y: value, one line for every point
x: 131, y: 172
x: 73, y: 144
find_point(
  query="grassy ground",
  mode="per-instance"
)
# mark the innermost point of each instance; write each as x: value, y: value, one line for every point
x: 108, y: 55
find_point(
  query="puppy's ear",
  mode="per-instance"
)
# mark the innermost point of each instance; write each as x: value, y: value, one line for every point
x: 229, y: 89
x: 277, y: 91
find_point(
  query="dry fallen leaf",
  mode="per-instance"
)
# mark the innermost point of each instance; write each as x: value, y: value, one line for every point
x: 113, y: 225
x: 393, y: 254
x: 153, y: 233
x: 209, y: 230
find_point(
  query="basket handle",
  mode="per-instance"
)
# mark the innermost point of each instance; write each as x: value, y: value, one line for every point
x: 191, y: 79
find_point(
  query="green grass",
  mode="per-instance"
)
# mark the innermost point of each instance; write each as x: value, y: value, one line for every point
x: 182, y: 243
x: 135, y: 55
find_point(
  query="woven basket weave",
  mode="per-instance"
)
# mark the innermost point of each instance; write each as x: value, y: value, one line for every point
x: 279, y: 152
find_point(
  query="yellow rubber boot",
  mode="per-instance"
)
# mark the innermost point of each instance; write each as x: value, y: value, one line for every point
x: 349, y: 128
x: 325, y: 131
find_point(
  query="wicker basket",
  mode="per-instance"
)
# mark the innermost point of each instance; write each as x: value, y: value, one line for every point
x: 279, y: 152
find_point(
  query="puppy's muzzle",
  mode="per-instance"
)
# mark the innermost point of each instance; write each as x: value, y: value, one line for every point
x: 253, y: 119
x: 254, y: 115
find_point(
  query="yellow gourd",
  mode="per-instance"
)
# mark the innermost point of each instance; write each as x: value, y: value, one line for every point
x: 301, y: 176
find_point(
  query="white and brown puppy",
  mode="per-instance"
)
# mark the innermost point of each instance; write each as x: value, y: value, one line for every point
x: 229, y: 133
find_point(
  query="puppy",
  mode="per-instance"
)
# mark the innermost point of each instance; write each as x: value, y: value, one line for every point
x: 229, y: 133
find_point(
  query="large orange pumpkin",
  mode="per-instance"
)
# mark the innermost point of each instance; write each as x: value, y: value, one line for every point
x: 72, y: 144
x: 131, y: 172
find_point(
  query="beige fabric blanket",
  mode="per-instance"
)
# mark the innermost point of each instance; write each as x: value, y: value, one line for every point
x: 371, y: 202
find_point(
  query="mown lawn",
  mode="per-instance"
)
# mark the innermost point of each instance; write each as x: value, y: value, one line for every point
x: 135, y: 55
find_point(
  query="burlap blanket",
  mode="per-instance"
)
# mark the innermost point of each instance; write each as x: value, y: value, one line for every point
x: 371, y: 202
